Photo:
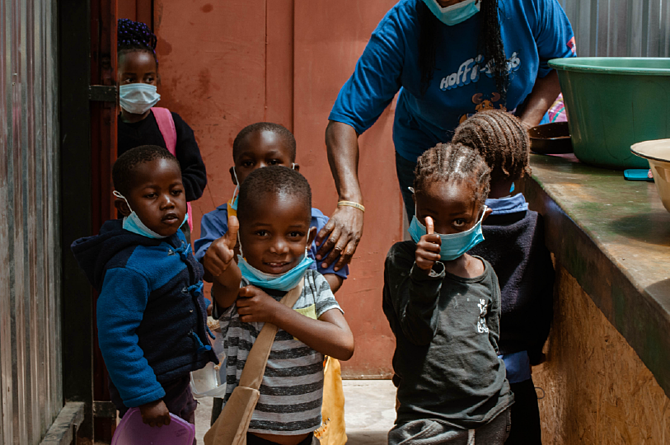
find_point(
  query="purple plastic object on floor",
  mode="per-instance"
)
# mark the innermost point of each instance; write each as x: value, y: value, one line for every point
x: 132, y: 431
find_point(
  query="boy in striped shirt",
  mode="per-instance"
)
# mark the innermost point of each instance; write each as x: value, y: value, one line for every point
x: 274, y: 214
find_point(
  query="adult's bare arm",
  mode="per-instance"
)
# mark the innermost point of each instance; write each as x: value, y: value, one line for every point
x: 341, y: 235
x: 544, y: 94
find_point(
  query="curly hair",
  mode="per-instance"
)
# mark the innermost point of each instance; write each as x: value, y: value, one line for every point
x: 135, y: 36
x: 453, y: 162
x: 502, y: 141
x: 276, y: 181
x: 123, y: 171
x: 490, y: 41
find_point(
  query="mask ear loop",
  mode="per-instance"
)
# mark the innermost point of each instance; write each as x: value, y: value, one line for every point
x: 237, y: 185
x: 120, y: 196
x: 239, y: 243
x: 293, y: 165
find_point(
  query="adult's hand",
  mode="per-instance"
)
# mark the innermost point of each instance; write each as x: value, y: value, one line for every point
x: 544, y: 93
x: 341, y: 235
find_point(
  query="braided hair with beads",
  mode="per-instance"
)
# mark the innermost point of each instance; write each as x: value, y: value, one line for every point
x: 490, y: 42
x: 453, y: 162
x: 501, y: 139
x: 135, y: 36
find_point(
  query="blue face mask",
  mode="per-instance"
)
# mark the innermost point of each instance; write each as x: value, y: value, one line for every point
x: 283, y: 281
x: 454, y: 14
x: 137, y: 98
x: 453, y: 245
x: 133, y: 223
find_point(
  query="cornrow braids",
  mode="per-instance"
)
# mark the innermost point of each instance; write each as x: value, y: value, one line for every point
x: 453, y: 162
x: 502, y: 141
x: 494, y: 49
x: 490, y: 40
x: 135, y: 36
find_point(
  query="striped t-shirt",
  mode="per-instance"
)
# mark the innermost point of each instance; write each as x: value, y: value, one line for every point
x: 291, y: 392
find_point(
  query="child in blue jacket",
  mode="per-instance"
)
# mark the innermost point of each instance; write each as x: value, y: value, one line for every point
x: 150, y: 311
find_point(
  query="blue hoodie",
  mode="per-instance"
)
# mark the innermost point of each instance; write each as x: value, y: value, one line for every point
x: 151, y: 314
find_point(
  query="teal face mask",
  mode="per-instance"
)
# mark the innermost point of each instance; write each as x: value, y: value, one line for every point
x: 133, y: 223
x: 454, y: 14
x: 453, y: 245
x: 283, y: 281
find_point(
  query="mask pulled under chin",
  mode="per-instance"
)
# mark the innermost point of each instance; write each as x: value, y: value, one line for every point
x: 282, y: 282
x: 454, y: 14
x: 134, y: 224
x: 138, y: 98
x: 453, y: 245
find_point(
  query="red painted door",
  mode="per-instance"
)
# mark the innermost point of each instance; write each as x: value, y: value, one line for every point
x: 225, y: 65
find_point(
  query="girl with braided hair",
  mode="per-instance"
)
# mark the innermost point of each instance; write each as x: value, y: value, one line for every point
x: 446, y: 59
x: 443, y: 306
x: 140, y: 122
x: 514, y: 245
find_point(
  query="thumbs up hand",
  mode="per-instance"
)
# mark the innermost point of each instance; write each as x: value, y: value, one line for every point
x: 222, y: 251
x: 428, y: 247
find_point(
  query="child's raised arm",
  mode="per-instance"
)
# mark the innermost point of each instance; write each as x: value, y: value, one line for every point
x: 330, y: 334
x: 219, y: 262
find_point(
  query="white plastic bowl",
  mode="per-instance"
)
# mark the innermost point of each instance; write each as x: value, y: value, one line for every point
x: 210, y: 381
x: 657, y: 152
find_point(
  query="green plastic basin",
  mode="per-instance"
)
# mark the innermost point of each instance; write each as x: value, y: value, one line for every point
x: 612, y: 103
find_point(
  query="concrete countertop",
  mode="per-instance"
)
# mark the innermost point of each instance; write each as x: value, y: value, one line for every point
x: 613, y: 236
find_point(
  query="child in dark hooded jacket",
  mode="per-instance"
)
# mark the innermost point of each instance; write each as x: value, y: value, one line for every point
x: 150, y: 312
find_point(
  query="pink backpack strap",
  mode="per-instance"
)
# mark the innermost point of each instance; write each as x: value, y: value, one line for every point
x: 167, y: 128
x: 169, y: 132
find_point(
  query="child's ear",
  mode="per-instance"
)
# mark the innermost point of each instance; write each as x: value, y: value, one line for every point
x: 487, y: 212
x: 311, y: 235
x: 122, y: 206
x: 232, y: 175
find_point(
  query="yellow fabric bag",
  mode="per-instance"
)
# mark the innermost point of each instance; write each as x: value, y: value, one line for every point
x: 332, y: 430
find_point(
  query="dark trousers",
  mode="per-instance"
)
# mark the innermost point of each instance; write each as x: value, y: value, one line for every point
x: 217, y: 406
x: 405, y: 171
x: 252, y: 439
x: 178, y: 399
x: 526, y: 428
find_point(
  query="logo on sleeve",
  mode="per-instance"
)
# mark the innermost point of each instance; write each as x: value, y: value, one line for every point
x: 573, y: 46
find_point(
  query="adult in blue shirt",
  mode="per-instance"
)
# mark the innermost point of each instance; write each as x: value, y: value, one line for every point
x: 448, y: 59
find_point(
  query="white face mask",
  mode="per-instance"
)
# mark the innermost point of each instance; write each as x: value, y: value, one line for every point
x: 138, y: 98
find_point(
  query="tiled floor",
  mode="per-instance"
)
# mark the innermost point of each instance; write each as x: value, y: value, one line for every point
x: 369, y: 412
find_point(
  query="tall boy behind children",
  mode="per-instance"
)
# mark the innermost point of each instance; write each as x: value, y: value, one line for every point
x: 514, y: 245
x: 257, y: 145
x: 274, y: 234
x: 150, y: 312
